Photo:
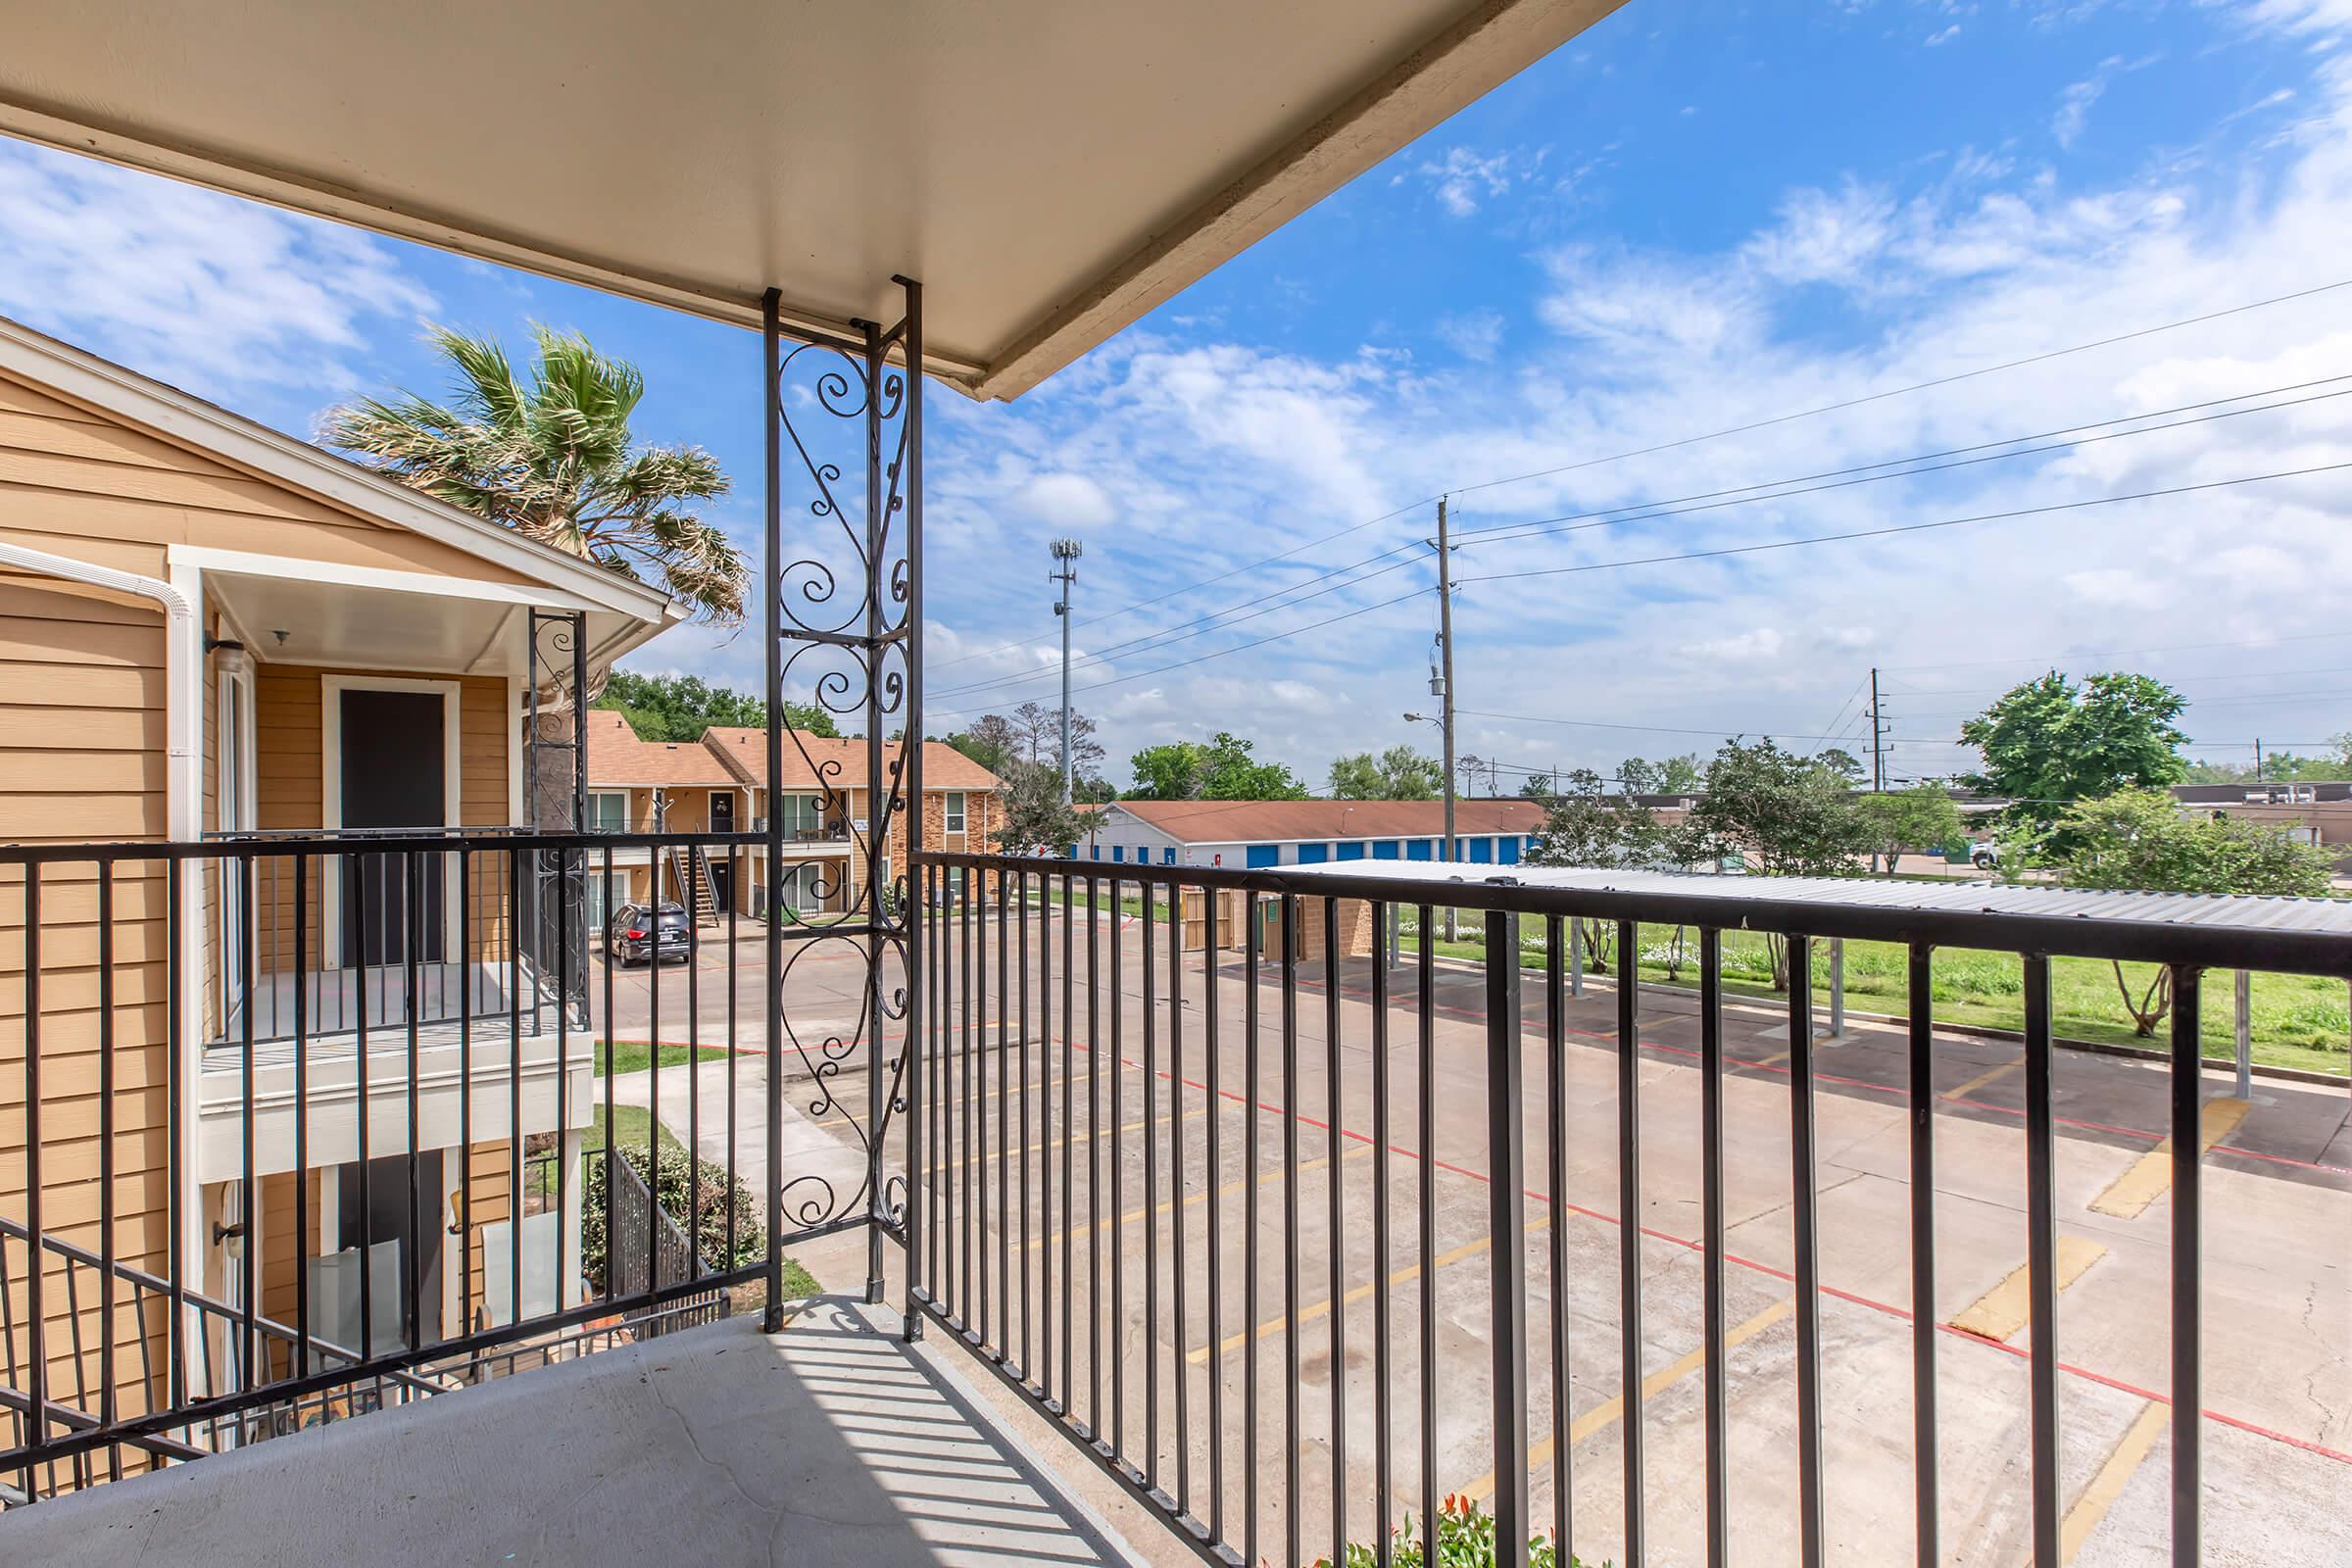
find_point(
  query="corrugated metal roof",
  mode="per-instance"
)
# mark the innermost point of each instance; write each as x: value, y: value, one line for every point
x: 1239, y: 821
x: 2232, y: 912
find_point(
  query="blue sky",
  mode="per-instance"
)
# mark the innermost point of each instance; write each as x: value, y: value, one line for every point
x: 1694, y: 219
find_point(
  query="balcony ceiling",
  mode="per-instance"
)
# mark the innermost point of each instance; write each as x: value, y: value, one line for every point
x: 1050, y: 168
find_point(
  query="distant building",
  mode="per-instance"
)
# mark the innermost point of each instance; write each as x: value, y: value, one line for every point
x: 1240, y: 834
x: 2314, y: 813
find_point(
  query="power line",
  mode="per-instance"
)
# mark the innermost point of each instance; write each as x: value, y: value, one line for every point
x: 1700, y: 555
x: 1686, y: 441
x: 1916, y: 386
x: 1202, y: 658
x: 1673, y: 507
x: 1604, y: 519
x: 1908, y: 528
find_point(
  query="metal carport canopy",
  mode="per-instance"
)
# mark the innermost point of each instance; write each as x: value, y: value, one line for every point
x: 2308, y: 936
x: 1050, y: 169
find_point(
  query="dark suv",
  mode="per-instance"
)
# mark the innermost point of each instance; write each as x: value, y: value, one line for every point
x: 639, y: 933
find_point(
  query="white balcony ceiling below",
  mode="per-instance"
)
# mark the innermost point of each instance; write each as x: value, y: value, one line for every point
x: 1050, y: 168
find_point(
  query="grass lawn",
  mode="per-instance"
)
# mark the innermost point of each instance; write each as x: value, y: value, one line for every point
x: 632, y: 1122
x: 2298, y: 1021
x: 632, y: 1055
x: 1081, y: 897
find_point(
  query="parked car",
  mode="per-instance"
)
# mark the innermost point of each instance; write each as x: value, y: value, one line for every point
x: 642, y: 933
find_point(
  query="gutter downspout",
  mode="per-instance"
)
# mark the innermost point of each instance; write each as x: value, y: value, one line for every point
x: 184, y: 796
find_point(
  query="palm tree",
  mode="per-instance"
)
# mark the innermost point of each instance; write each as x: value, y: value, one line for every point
x: 552, y: 459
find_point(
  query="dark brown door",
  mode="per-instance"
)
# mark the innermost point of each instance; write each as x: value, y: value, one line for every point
x: 394, y: 777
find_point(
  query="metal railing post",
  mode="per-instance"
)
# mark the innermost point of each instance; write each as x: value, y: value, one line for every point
x: 1506, y: 1219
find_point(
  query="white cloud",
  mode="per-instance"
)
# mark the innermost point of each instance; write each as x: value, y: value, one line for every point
x: 1066, y: 501
x: 1465, y: 177
x: 1823, y: 237
x: 216, y: 294
x: 2073, y: 109
x: 1473, y: 334
x: 1938, y: 39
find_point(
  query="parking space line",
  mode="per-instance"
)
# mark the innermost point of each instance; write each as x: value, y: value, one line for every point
x: 1107, y: 1132
x: 1266, y: 1179
x: 1320, y: 1309
x: 1666, y: 1377
x: 2131, y: 1452
x: 1991, y: 1075
x: 2001, y: 1312
x: 2150, y: 1176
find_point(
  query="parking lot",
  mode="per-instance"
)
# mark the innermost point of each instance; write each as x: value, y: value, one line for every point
x: 2278, y: 1391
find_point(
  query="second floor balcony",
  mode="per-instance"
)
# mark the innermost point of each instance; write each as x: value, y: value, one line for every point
x: 1293, y: 1231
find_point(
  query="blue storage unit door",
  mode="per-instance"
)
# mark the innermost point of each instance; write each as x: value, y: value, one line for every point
x: 1259, y: 854
x: 1313, y: 854
x: 1351, y: 852
x: 1384, y: 849
x: 1118, y: 852
x: 1167, y: 856
x: 1507, y: 849
x: 1482, y: 851
x: 1421, y: 849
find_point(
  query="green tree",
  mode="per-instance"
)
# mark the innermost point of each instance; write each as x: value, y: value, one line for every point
x: 1922, y: 817
x: 2143, y: 840
x: 1398, y: 774
x: 679, y: 707
x: 1221, y: 771
x: 991, y: 741
x: 1636, y: 776
x: 551, y: 457
x: 1791, y: 815
x: 1681, y: 776
x: 1037, y: 821
x: 2049, y: 742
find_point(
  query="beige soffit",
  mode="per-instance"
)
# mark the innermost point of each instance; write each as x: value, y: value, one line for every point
x: 1050, y: 169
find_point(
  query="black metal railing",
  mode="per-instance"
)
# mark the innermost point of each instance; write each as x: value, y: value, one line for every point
x: 335, y: 1220
x: 1112, y: 1115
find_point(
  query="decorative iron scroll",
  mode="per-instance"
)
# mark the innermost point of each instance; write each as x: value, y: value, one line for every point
x: 556, y: 801
x: 840, y: 588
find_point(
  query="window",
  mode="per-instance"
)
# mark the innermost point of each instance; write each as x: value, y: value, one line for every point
x: 952, y: 818
x: 800, y: 816
x: 608, y: 811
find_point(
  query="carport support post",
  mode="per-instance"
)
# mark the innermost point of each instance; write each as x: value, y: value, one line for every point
x: 1837, y: 988
x: 1507, y: 1220
x: 2245, y: 1035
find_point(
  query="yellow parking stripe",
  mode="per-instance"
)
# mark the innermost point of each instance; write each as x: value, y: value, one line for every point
x: 1657, y: 1383
x: 1991, y: 1075
x: 2151, y: 1175
x: 1134, y: 1216
x: 2006, y: 1308
x: 1107, y: 1132
x: 1404, y: 1276
x: 2138, y: 1441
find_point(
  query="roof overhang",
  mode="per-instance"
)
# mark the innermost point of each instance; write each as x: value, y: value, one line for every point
x: 1050, y: 168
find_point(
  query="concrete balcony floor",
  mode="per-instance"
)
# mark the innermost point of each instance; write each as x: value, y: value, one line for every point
x: 829, y: 1442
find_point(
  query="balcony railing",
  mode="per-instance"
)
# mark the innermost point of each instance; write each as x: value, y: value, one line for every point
x: 1214, y: 1181
x: 354, y: 1203
x: 1136, y: 1085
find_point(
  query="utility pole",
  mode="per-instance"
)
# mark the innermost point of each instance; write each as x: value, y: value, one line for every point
x: 1065, y: 555
x: 2257, y: 758
x: 1445, y: 674
x: 1877, y: 755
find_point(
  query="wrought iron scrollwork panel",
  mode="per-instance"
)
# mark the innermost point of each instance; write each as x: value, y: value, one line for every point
x: 841, y: 591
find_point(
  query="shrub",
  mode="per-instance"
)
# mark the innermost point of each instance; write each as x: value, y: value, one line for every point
x: 671, y: 1190
x: 1465, y: 1539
